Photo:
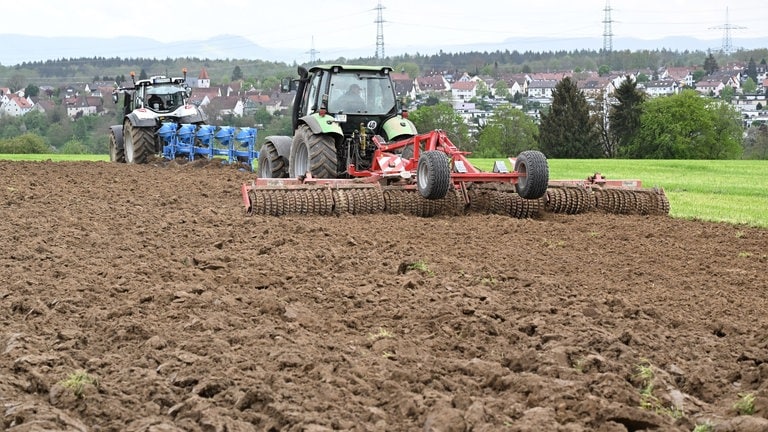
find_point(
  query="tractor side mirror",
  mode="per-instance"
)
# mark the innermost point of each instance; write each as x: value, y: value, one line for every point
x: 114, y: 97
x: 286, y: 85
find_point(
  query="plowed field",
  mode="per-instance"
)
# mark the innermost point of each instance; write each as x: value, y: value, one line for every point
x: 180, y: 313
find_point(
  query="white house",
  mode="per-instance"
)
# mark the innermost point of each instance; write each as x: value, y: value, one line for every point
x: 15, y: 105
x: 665, y: 87
x: 541, y: 88
x: 463, y: 90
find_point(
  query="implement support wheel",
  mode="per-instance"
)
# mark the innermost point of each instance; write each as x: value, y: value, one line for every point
x: 433, y: 175
x: 535, y: 179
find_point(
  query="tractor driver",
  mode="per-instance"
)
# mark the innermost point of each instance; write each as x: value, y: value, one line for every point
x: 351, y: 100
x: 156, y: 102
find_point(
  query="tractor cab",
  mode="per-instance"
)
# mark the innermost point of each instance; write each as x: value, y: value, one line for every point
x: 352, y: 95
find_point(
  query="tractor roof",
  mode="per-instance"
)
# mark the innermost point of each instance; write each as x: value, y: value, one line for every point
x: 385, y: 69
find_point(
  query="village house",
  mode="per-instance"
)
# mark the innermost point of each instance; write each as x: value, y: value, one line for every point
x: 541, y: 88
x: 16, y: 105
x: 432, y: 84
x: 665, y: 87
x: 463, y: 90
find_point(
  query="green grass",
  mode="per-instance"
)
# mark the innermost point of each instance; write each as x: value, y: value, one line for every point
x: 730, y: 191
x: 55, y: 157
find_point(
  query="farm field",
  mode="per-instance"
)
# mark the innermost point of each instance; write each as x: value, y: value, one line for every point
x: 141, y: 298
x: 718, y: 191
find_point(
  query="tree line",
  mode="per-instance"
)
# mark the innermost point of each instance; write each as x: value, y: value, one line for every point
x: 705, y: 129
x: 681, y: 126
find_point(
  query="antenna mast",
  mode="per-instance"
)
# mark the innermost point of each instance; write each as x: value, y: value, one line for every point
x: 379, y: 31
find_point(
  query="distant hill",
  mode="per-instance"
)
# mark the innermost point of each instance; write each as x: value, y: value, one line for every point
x: 19, y: 48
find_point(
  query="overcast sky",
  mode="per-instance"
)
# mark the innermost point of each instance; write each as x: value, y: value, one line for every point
x: 347, y: 24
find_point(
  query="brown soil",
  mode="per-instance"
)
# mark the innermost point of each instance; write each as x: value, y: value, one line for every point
x: 189, y: 315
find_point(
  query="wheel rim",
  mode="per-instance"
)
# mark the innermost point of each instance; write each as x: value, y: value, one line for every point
x: 302, y: 160
x: 422, y: 174
x: 523, y: 179
x: 128, y: 145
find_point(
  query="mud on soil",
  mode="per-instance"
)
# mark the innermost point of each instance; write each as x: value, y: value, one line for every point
x: 186, y: 315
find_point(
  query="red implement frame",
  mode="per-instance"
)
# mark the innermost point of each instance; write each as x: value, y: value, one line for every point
x: 598, y: 180
x: 388, y: 166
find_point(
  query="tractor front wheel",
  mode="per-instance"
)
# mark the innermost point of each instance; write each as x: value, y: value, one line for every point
x: 433, y: 175
x: 534, y: 170
x: 313, y: 153
x: 116, y: 150
x: 138, y: 143
x: 273, y: 157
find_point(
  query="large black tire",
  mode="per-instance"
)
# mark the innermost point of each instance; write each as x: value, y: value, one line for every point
x: 138, y: 143
x: 116, y: 151
x: 433, y: 175
x: 314, y: 153
x: 532, y: 185
x: 273, y: 157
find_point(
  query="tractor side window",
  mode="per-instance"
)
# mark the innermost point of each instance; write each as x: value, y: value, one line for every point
x: 311, y: 99
x: 387, y: 96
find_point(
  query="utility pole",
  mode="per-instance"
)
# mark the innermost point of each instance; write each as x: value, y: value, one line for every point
x: 727, y: 47
x: 607, y: 28
x: 379, y: 31
x: 312, y: 51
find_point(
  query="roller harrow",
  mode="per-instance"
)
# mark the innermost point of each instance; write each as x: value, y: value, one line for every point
x: 596, y: 193
x: 308, y: 196
x: 207, y: 141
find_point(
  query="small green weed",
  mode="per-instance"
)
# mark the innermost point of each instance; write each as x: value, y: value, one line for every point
x: 382, y: 334
x: 745, y: 254
x: 552, y: 244
x: 648, y: 401
x: 579, y: 364
x: 746, y: 404
x: 420, y: 266
x: 76, y: 381
x: 704, y: 427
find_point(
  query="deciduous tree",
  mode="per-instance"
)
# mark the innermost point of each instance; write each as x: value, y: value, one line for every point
x: 442, y: 116
x: 508, y: 132
x: 687, y: 126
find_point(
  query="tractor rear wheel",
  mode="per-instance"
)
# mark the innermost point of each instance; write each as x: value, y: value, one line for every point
x: 138, y: 143
x: 116, y: 150
x: 533, y: 184
x: 313, y: 153
x: 273, y: 157
x: 433, y: 175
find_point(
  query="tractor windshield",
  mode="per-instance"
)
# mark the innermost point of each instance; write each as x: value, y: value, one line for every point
x: 164, y: 97
x: 362, y: 93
